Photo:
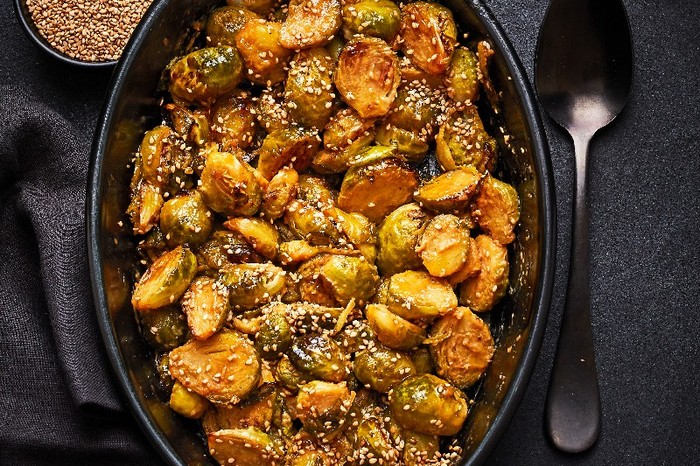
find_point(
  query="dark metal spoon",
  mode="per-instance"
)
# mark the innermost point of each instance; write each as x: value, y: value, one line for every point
x: 583, y: 78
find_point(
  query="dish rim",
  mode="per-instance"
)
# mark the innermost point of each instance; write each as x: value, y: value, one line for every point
x: 542, y: 291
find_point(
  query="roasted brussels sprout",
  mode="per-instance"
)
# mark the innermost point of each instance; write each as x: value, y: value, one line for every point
x: 232, y: 122
x: 378, y: 18
x: 310, y: 458
x: 190, y: 125
x: 253, y: 285
x: 275, y: 334
x: 368, y: 75
x: 470, y: 268
x: 280, y: 192
x: 206, y: 305
x: 310, y: 23
x: 187, y: 403
x: 418, y: 296
x: 393, y: 331
x: 229, y: 186
x: 462, y: 140
x: 444, y: 245
x: 164, y: 328
x: 186, y: 220
x: 463, y: 76
x: 223, y: 368
x: 358, y: 230
x: 289, y: 376
x: 496, y: 209
x: 145, y: 206
x: 415, y: 109
x: 205, y: 74
x: 344, y: 137
x: 309, y: 88
x: 293, y: 146
x: 377, y: 188
x: 165, y: 280
x: 373, y: 443
x: 256, y: 410
x: 484, y: 290
x: 323, y: 406
x: 411, y: 74
x: 243, y: 447
x: 398, y: 237
x: 451, y: 191
x: 463, y: 347
x: 321, y: 357
x: 225, y: 247
x: 419, y: 449
x: 317, y: 191
x: 261, y: 7
x: 334, y: 47
x: 311, y: 224
x: 381, y: 369
x: 152, y: 152
x: 429, y: 405
x: 271, y: 110
x: 261, y: 234
x: 225, y: 22
x: 429, y: 35
x: 423, y: 361
x: 349, y: 278
x: 409, y: 144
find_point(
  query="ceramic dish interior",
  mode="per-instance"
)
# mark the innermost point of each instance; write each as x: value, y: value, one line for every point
x: 132, y: 107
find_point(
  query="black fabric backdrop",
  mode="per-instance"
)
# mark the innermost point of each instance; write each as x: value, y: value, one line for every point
x: 59, y: 406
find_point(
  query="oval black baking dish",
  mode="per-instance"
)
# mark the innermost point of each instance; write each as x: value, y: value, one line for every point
x: 132, y: 107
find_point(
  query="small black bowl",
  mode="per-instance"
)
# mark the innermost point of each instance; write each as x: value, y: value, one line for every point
x: 25, y: 19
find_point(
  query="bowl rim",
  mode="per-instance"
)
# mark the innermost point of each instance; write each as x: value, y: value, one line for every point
x: 547, y: 203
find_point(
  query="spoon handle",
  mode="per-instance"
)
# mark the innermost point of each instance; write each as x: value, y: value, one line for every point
x: 572, y: 411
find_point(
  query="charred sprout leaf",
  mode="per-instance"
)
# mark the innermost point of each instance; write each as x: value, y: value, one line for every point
x: 310, y: 23
x: 463, y: 76
x: 451, y: 191
x: 470, y: 268
x: 411, y: 147
x: 261, y: 234
x: 165, y: 280
x: 417, y: 296
x: 462, y: 140
x: 223, y: 368
x: 373, y: 444
x: 264, y: 57
x: 206, y: 74
x: 377, y: 188
x: 187, y: 403
x: 280, y: 192
x: 253, y: 285
x: 289, y: 376
x: 398, y: 236
x: 225, y: 247
x: 224, y: 24
x: 164, y: 328
x: 444, y: 245
x: 349, y: 277
x: 322, y: 406
x: 206, y: 305
x: 393, y: 331
x: 381, y: 369
x: 378, y: 18
x: 186, y: 220
x: 419, y: 449
x: 229, y: 186
x: 309, y: 88
x: 368, y: 75
x: 484, y: 290
x: 497, y: 209
x: 463, y: 349
x: 232, y: 122
x: 243, y: 447
x: 275, y: 334
x: 429, y: 35
x: 293, y: 146
x: 321, y: 357
x: 429, y: 405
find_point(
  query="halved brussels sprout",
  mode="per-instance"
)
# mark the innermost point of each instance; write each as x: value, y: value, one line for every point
x: 261, y: 234
x: 381, y: 369
x: 496, y: 209
x: 420, y: 449
x: 311, y: 224
x: 145, y: 206
x: 275, y: 334
x: 256, y: 410
x: 165, y: 280
x: 291, y: 378
x: 373, y: 444
x: 378, y: 18
x: 393, y: 331
x: 463, y: 76
x: 334, y: 47
x: 444, y: 245
x: 322, y: 406
x: 232, y: 121
x: 295, y: 251
x: 429, y: 405
x: 225, y: 247
x: 312, y: 288
x: 344, y: 137
x: 205, y: 74
x: 377, y: 188
x: 470, y: 268
x: 463, y: 347
x: 206, y: 305
x: 190, y: 125
x: 451, y: 191
x: 243, y: 447
x: 398, y: 236
x: 484, y: 290
x: 225, y: 22
x: 462, y: 140
x: 293, y: 146
x: 321, y: 357
x: 310, y: 23
x: 349, y: 277
x: 309, y: 88
x: 187, y: 403
x: 429, y: 35
x: 186, y: 220
x: 411, y: 147
x: 411, y: 74
x: 417, y: 296
x: 253, y: 285
x: 164, y: 328
x: 358, y: 230
x: 310, y: 458
x: 223, y: 368
x: 152, y: 154
x: 272, y: 110
x: 423, y: 361
x: 261, y: 7
x: 368, y: 75
x: 229, y: 186
x: 280, y: 192
x: 415, y: 109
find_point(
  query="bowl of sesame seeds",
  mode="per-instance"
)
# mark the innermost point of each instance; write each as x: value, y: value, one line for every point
x: 81, y: 32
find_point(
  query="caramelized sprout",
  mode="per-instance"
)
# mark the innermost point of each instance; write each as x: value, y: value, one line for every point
x: 242, y: 447
x: 463, y: 76
x: 344, y: 137
x: 321, y: 357
x: 261, y: 234
x: 281, y: 190
x: 206, y: 305
x: 373, y: 443
x: 349, y: 278
x: 451, y: 191
x: 398, y: 237
x: 206, y: 74
x: 497, y: 209
x: 225, y: 22
x: 164, y: 328
x: 261, y: 7
x: 444, y: 245
x: 309, y: 88
x: 484, y: 290
x: 187, y: 403
x: 323, y: 406
x: 429, y: 35
x: 420, y: 449
x: 229, y: 186
x: 377, y: 18
x: 165, y: 280
x: 253, y: 285
x: 293, y: 146
x: 417, y: 296
x: 381, y: 369
x: 310, y: 23
x: 186, y: 220
x: 462, y: 140
x: 232, y: 122
x: 393, y: 331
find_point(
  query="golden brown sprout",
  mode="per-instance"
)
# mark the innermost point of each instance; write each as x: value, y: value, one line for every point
x: 398, y: 236
x: 451, y: 191
x: 253, y: 285
x: 225, y: 22
x: 311, y: 224
x: 463, y: 76
x: 261, y: 7
x: 462, y: 140
x: 349, y: 278
x: 164, y: 328
x: 291, y: 378
x: 411, y: 147
x: 358, y: 230
x: 229, y: 185
x: 497, y: 209
x: 484, y: 290
x: 373, y: 443
x: 321, y: 357
x: 415, y: 109
x: 310, y: 23
x: 190, y: 125
x: 368, y: 75
x: 316, y: 190
x: 275, y: 334
x: 293, y: 146
x: 232, y: 122
x: 223, y: 368
x: 393, y: 331
x: 152, y: 152
x: 463, y: 349
x: 281, y: 190
x: 272, y: 110
x: 417, y: 296
x: 309, y: 88
x: 323, y: 406
x: 186, y: 220
x: 206, y: 74
x: 429, y: 35
x: 381, y: 369
x: 243, y: 447
x: 419, y: 449
x: 444, y: 245
x: 377, y: 18
x: 225, y: 247
x: 261, y: 234
x: 310, y: 458
x: 144, y: 208
x: 206, y: 305
x: 377, y: 188
x: 470, y: 268
x: 256, y: 410
x: 411, y: 74
x: 165, y: 280
x: 344, y: 137
x: 187, y: 403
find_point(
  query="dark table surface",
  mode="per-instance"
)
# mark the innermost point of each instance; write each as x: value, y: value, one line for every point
x: 645, y: 232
